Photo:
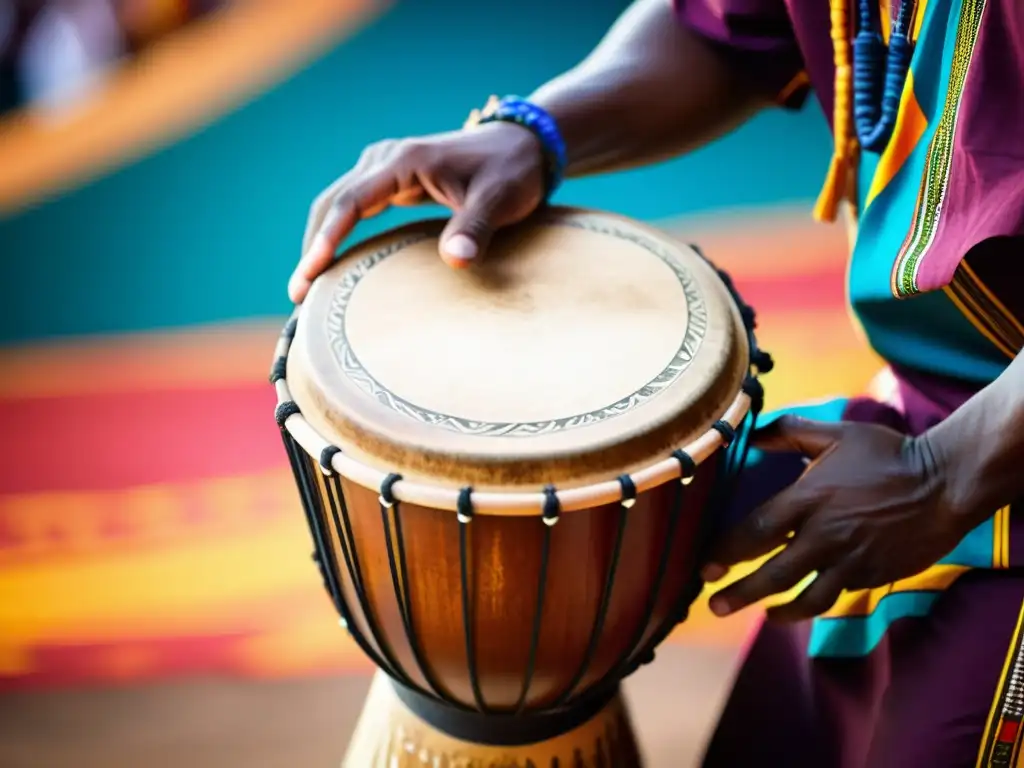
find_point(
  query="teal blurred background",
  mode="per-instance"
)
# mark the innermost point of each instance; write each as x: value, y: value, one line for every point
x: 206, y: 229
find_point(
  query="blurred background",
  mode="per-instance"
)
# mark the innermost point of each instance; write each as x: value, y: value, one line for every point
x: 157, y: 161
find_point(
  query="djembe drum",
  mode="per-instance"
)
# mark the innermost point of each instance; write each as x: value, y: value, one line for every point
x: 490, y: 463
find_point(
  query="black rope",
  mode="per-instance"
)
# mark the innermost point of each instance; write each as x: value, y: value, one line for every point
x: 552, y: 511
x: 400, y: 577
x: 324, y: 556
x: 762, y: 361
x: 386, y: 659
x: 628, y: 498
x: 738, y: 457
x: 308, y: 502
x: 749, y: 317
x: 464, y: 511
x: 326, y: 458
x: 330, y: 580
x: 694, y: 584
x: 726, y: 430
x: 278, y: 369
x: 727, y: 474
x: 755, y: 391
x: 284, y: 410
x: 387, y: 494
x: 687, y: 466
x: 464, y: 505
x: 636, y: 648
x: 628, y: 488
x: 289, y: 328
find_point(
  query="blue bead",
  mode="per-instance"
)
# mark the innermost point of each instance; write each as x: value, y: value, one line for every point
x: 879, y: 74
x: 515, y: 110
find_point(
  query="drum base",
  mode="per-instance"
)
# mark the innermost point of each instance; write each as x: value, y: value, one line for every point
x: 390, y: 735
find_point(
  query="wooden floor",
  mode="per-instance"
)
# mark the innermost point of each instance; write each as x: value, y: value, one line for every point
x: 303, y: 723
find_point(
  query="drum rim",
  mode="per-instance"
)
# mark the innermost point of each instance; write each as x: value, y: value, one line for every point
x: 500, y: 503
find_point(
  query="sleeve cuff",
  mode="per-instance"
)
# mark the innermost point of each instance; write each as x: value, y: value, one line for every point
x: 757, y: 37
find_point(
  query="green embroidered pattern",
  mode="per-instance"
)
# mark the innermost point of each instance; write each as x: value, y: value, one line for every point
x: 940, y: 155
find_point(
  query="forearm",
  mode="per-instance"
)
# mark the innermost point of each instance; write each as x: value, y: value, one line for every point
x: 651, y: 90
x: 980, y: 448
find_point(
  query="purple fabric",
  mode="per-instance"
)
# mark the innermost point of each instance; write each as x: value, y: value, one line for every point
x: 923, y: 401
x: 757, y: 34
x: 921, y: 699
x: 985, y: 195
x: 985, y: 192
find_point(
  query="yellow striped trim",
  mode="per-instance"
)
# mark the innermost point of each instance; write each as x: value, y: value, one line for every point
x: 1001, y: 538
x: 925, y: 222
x: 989, y: 309
x: 799, y: 81
x: 969, y: 309
x: 863, y: 602
x: 992, y: 298
x: 987, y: 749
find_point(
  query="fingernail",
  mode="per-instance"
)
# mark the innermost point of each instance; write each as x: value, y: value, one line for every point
x: 713, y: 572
x: 313, y: 253
x: 719, y: 607
x: 459, y: 248
x: 297, y: 286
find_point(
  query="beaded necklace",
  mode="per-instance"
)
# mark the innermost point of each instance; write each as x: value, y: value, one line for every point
x: 870, y: 89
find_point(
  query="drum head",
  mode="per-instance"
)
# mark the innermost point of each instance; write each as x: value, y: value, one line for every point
x: 582, y: 346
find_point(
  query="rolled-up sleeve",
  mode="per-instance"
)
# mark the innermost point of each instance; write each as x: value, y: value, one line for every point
x: 758, y: 37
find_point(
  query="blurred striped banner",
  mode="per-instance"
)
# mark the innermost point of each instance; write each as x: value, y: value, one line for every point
x: 149, y: 525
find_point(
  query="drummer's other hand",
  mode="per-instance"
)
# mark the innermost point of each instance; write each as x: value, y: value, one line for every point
x: 870, y: 509
x: 489, y: 176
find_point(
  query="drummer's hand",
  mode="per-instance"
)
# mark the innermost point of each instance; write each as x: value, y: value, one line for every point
x: 489, y: 176
x: 870, y: 509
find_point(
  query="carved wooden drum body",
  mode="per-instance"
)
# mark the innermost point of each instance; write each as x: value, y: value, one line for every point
x: 509, y: 471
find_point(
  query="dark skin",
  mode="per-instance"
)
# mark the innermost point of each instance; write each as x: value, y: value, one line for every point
x: 873, y: 505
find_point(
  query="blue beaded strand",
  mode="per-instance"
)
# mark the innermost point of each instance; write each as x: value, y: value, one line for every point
x: 877, y: 93
x: 513, y: 109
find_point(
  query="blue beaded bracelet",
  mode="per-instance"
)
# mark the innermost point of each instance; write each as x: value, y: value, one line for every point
x: 513, y: 109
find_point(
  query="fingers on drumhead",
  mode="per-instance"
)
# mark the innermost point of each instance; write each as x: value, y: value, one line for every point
x: 459, y: 250
x: 338, y: 215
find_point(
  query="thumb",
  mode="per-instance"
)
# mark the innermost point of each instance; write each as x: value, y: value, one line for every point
x: 796, y: 434
x: 472, y: 226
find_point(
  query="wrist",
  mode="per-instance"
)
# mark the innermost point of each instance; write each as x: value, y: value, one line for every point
x: 979, y: 462
x: 536, y: 120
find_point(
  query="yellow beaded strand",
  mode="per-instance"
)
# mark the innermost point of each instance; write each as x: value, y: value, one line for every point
x: 845, y: 143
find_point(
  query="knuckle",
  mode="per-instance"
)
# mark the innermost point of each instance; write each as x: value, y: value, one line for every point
x: 476, y: 227
x: 762, y: 527
x: 789, y: 421
x: 846, y: 531
x: 321, y: 200
x: 817, y: 604
x: 343, y: 199
x: 376, y: 149
x: 413, y: 152
x: 775, y: 575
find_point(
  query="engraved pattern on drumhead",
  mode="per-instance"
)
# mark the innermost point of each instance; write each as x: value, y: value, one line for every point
x: 351, y: 366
